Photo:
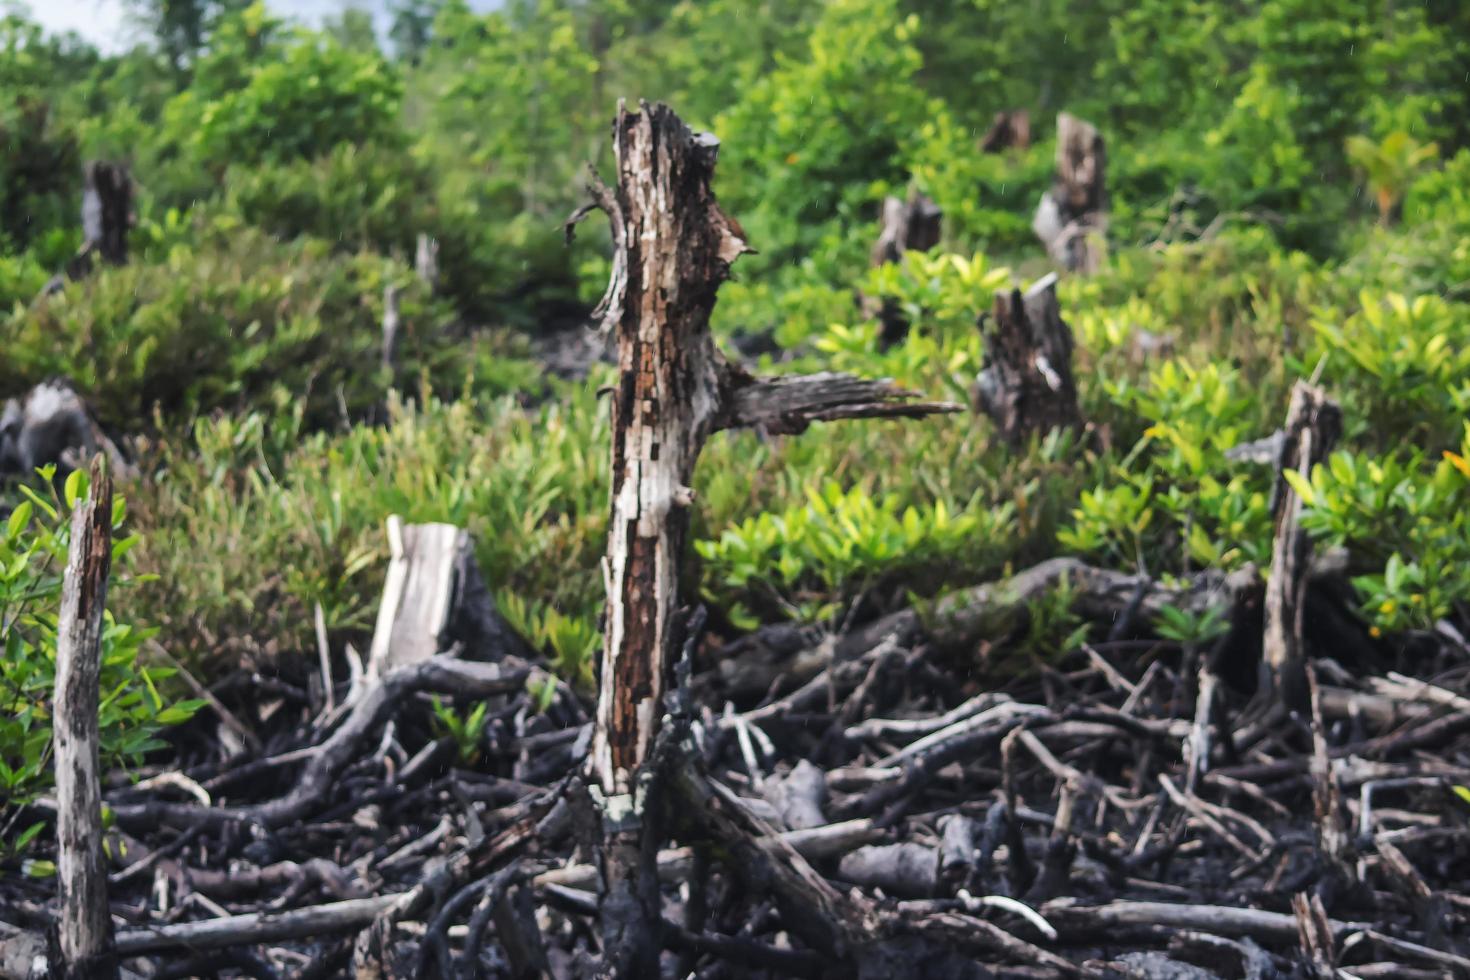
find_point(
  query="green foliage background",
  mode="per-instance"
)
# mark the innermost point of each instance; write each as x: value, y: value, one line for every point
x: 1289, y: 184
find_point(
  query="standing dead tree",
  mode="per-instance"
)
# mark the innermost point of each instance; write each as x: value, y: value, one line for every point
x: 673, y: 246
x: 911, y: 224
x: 1313, y: 424
x: 85, y: 934
x: 1026, y: 385
x: 1072, y: 216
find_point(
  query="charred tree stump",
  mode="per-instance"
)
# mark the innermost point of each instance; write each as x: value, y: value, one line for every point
x: 1009, y: 130
x: 1313, y: 424
x: 107, y: 202
x: 908, y: 225
x: 1072, y: 217
x: 107, y: 210
x: 673, y: 246
x: 85, y: 944
x: 1026, y: 385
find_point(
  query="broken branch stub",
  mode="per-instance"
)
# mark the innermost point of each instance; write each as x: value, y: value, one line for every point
x: 1026, y: 385
x: 1072, y: 216
x: 673, y: 246
x: 1313, y: 424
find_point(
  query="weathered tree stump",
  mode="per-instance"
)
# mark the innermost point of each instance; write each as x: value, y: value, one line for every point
x: 85, y: 935
x: 1026, y: 385
x: 1072, y: 217
x: 912, y: 224
x: 107, y: 202
x: 1313, y: 424
x: 673, y: 246
x: 433, y: 596
x: 1009, y: 130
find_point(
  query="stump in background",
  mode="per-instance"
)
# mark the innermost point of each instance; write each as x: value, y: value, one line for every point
x: 107, y: 202
x: 912, y: 224
x: 1026, y: 385
x: 1072, y: 216
x: 1010, y: 130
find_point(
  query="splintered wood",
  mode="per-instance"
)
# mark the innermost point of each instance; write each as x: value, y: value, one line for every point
x: 418, y: 594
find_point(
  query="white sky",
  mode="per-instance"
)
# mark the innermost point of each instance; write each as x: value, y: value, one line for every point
x: 105, y: 23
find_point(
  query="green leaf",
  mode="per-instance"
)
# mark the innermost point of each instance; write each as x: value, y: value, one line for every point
x: 1302, y: 487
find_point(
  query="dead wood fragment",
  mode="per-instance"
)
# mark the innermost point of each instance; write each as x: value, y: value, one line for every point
x: 1072, y: 216
x: 907, y: 870
x: 1313, y: 423
x: 256, y: 927
x: 443, y: 674
x: 1009, y: 130
x: 85, y: 944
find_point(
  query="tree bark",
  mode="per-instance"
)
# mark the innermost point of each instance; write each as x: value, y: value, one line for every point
x: 85, y: 934
x: 1072, y: 216
x: 1313, y: 424
x: 673, y: 246
x: 1026, y: 385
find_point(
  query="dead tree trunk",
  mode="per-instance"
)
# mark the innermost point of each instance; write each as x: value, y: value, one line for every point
x: 1072, y: 217
x: 673, y: 246
x: 912, y: 224
x: 85, y: 934
x: 1009, y: 130
x: 1026, y: 385
x: 1313, y: 424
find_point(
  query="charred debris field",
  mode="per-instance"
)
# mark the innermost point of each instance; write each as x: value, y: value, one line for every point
x: 879, y: 531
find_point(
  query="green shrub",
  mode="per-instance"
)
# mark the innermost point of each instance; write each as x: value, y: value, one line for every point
x: 222, y: 324
x: 1403, y: 513
x: 1401, y: 368
x: 133, y: 711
